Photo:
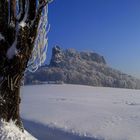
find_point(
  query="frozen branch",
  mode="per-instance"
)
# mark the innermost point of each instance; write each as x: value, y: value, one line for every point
x: 32, y: 10
x: 12, y: 12
x: 3, y: 15
x: 35, y: 22
x: 21, y: 10
x: 2, y: 37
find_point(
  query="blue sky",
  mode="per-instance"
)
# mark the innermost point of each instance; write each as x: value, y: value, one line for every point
x: 108, y: 27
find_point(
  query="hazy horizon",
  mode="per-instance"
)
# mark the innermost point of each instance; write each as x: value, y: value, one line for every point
x: 110, y: 28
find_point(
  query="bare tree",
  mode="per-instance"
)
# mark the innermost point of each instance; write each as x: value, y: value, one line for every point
x: 19, y: 20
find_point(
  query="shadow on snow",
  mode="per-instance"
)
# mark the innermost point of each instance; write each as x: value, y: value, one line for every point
x: 43, y: 132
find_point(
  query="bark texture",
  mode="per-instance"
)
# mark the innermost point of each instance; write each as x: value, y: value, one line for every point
x: 18, y: 31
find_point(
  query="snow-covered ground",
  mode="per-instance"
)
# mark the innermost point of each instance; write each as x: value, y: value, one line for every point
x: 69, y: 112
x: 9, y: 131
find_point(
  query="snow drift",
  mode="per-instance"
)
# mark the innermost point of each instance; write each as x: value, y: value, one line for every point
x: 9, y: 131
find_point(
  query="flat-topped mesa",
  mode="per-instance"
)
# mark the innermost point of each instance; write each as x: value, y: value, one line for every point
x: 60, y: 56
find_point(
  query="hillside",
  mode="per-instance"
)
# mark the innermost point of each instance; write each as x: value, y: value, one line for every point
x: 84, y: 68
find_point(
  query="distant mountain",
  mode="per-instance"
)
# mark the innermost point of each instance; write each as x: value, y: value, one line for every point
x: 84, y: 68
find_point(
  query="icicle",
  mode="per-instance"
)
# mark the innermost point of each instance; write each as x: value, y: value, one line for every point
x: 41, y: 43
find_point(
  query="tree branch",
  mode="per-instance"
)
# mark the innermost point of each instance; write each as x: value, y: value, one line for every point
x: 32, y: 9
x: 12, y: 12
x: 43, y: 3
x: 3, y: 16
x: 35, y: 22
x: 21, y: 10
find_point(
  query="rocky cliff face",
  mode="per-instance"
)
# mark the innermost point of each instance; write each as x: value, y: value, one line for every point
x: 61, y: 57
x: 85, y: 68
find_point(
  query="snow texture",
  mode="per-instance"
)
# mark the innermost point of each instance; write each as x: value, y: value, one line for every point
x: 22, y: 24
x: 1, y: 37
x: 8, y: 131
x: 12, y: 51
x: 101, y: 113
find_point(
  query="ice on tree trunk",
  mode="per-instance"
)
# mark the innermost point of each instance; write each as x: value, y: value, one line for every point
x: 41, y: 43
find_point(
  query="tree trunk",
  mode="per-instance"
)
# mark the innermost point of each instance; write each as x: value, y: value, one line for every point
x: 10, y: 104
x: 17, y: 38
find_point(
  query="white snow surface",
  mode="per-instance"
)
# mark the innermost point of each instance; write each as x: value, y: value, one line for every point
x: 1, y: 37
x: 12, y: 51
x: 8, y: 131
x: 103, y: 113
x: 22, y: 24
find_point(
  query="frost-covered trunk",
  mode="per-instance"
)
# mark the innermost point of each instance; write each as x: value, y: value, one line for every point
x: 19, y: 21
x: 10, y: 104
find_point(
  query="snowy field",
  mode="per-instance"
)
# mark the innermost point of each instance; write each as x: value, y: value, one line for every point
x: 73, y: 112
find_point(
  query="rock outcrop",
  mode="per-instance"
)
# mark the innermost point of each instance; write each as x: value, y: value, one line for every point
x: 61, y: 57
x: 85, y: 68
